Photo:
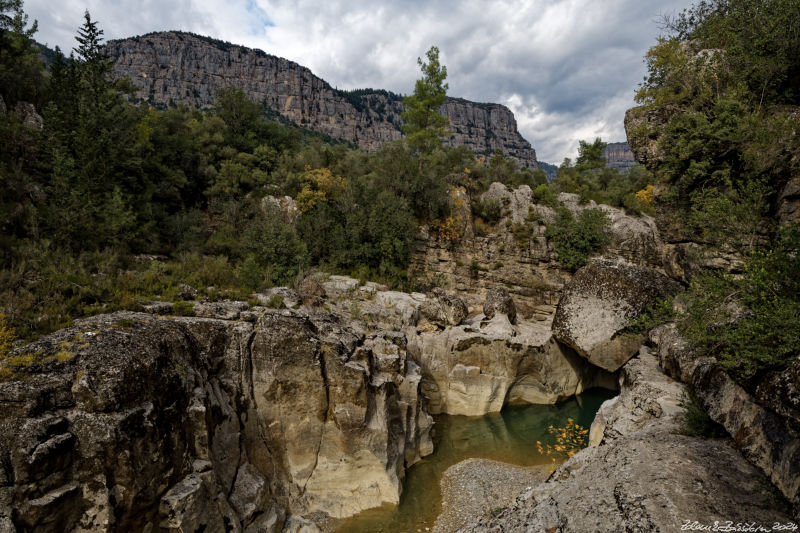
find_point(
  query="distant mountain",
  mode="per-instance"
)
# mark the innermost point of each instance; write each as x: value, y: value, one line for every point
x: 172, y: 67
x: 619, y: 156
x: 550, y: 169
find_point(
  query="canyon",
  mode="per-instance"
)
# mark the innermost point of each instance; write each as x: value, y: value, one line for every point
x: 248, y: 418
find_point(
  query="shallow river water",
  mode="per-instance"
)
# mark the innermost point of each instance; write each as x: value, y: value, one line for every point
x: 509, y: 436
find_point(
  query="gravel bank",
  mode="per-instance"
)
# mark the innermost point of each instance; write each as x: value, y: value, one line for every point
x: 475, y: 487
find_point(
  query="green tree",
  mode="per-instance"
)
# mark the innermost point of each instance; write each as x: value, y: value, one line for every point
x: 21, y: 70
x: 578, y: 239
x: 424, y: 126
x: 591, y: 156
x: 93, y: 152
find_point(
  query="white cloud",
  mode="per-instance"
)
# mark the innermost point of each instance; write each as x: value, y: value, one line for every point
x: 567, y: 68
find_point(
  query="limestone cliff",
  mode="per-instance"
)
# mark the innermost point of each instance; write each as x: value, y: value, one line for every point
x: 619, y: 156
x: 140, y: 423
x: 172, y: 67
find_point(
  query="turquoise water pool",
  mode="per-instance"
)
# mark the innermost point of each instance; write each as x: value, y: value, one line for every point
x: 508, y: 436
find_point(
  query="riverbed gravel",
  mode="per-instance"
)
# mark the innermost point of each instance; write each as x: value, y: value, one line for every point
x: 478, y: 487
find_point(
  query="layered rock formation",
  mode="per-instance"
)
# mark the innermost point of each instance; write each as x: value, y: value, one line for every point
x: 130, y: 422
x: 172, y: 67
x: 619, y: 156
x: 515, y: 254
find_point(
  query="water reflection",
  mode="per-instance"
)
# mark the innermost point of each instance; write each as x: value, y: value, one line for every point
x: 509, y: 436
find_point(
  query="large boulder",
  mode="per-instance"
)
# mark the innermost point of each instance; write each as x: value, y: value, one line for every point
x: 597, y: 305
x: 444, y: 309
x: 499, y: 301
x: 311, y: 291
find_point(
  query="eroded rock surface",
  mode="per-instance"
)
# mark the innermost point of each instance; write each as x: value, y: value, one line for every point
x: 482, y: 365
x: 187, y: 424
x: 598, y: 303
x: 768, y: 437
x: 646, y: 475
x: 499, y: 301
x: 443, y: 309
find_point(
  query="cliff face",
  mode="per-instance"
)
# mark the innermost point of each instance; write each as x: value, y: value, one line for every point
x: 515, y: 252
x: 172, y: 67
x: 619, y: 156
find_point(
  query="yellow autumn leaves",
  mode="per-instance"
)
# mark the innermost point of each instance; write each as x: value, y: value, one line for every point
x: 319, y: 186
x: 570, y: 439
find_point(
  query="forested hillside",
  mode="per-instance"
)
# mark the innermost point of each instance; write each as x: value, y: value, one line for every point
x: 718, y: 127
x: 91, y: 181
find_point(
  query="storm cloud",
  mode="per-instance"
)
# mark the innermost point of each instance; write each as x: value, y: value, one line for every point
x: 567, y: 68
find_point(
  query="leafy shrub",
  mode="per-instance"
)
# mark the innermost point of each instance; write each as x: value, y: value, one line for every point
x: 749, y: 321
x: 577, y: 239
x: 474, y: 269
x: 523, y: 232
x: 543, y: 195
x: 183, y: 308
x: 479, y: 227
x: 489, y: 210
x: 276, y: 302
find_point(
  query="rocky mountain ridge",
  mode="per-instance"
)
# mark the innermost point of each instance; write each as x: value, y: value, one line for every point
x: 173, y: 67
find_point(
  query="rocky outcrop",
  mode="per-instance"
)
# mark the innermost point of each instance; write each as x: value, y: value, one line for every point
x: 499, y: 301
x: 515, y: 254
x: 788, y: 210
x: 133, y: 422
x: 764, y: 426
x: 483, y: 365
x: 619, y: 156
x: 634, y: 239
x: 645, y: 475
x: 443, y: 309
x: 645, y: 396
x: 597, y: 305
x: 172, y: 67
x: 643, y: 128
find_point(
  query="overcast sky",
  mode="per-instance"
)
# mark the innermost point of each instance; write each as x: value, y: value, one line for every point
x: 567, y: 68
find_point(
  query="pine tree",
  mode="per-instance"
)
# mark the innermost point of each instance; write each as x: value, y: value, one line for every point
x: 424, y: 125
x: 21, y: 70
